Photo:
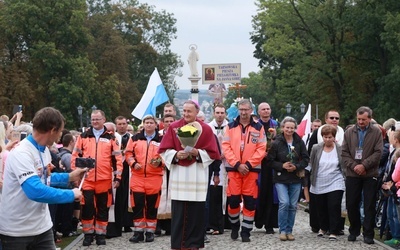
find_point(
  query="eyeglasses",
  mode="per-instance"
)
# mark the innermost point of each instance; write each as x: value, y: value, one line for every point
x: 96, y: 119
x: 334, y: 118
x: 243, y: 110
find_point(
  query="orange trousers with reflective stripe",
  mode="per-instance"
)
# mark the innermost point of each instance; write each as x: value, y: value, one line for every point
x: 145, y: 198
x: 97, y: 198
x: 242, y: 185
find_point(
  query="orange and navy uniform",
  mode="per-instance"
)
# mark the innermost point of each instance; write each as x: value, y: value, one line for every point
x: 145, y: 182
x: 243, y: 145
x: 97, y: 185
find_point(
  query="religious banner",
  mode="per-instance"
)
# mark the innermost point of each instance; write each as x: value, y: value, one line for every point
x: 221, y: 73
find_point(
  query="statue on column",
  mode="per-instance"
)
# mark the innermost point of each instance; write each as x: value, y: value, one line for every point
x: 192, y: 60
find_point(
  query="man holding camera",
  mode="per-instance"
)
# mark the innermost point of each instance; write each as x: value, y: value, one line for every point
x: 27, y: 188
x: 98, y: 149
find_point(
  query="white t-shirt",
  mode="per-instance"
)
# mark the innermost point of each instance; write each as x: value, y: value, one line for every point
x: 20, y: 216
x: 329, y: 176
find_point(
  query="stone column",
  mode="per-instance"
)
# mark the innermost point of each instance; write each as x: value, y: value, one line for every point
x: 194, y: 87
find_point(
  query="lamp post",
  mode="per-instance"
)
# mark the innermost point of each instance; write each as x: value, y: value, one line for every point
x: 288, y: 108
x: 94, y: 108
x: 80, y: 115
x: 302, y: 108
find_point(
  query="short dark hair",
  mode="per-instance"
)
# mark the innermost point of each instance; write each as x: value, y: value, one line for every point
x: 328, y: 129
x: 47, y: 119
x: 64, y: 132
x: 168, y: 115
x: 67, y: 139
x: 170, y: 105
x: 120, y: 118
x: 219, y: 105
x: 327, y: 113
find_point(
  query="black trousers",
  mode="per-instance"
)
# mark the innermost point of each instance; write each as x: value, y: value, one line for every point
x: 267, y: 209
x: 216, y: 216
x: 313, y: 212
x: 123, y: 218
x: 329, y: 211
x: 187, y: 224
x: 355, y: 187
x: 64, y: 215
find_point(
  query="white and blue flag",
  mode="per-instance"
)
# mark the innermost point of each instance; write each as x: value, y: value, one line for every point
x: 154, y: 96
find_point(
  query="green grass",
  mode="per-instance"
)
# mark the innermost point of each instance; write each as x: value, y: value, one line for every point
x: 65, y: 241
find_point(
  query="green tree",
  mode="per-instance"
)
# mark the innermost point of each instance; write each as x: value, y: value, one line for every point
x: 329, y: 53
x: 131, y: 39
x: 69, y: 53
x: 47, y: 40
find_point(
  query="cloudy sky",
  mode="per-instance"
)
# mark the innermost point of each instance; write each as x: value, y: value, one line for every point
x: 220, y: 29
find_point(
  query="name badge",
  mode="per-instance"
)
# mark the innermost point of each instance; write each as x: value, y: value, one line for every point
x: 358, y: 155
x: 104, y: 140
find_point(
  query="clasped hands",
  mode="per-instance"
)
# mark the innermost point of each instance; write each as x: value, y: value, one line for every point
x: 290, y: 167
x: 182, y: 154
x: 360, y: 169
x: 243, y: 169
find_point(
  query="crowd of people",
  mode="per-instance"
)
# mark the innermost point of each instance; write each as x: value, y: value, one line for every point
x: 187, y: 178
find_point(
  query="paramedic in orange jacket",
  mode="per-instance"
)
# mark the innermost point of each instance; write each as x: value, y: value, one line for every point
x: 147, y: 171
x: 102, y: 146
x: 244, y: 147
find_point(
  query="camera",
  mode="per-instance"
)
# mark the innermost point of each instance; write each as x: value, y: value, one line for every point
x: 85, y: 162
x: 23, y: 135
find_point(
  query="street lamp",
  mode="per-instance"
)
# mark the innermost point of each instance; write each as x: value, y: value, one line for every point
x: 296, y: 111
x: 302, y: 108
x: 94, y: 108
x: 80, y: 114
x: 288, y: 108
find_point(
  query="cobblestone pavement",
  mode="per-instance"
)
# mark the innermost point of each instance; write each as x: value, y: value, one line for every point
x: 305, y: 239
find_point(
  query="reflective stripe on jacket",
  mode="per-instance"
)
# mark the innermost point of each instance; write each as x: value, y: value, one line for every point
x: 141, y: 152
x: 105, y: 151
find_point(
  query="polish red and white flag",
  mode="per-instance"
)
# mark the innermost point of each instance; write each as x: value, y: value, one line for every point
x: 304, y: 127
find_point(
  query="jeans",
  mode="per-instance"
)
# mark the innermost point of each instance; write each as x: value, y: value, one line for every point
x: 393, y: 218
x: 288, y: 195
x: 43, y: 241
